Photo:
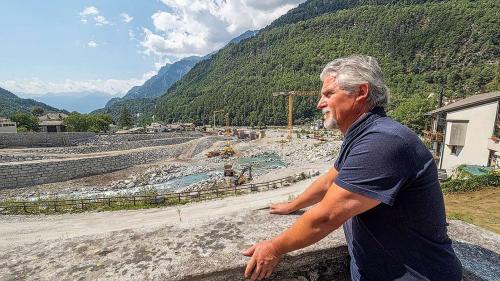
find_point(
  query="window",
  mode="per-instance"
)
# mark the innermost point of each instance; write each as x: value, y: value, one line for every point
x: 457, y: 134
x: 455, y: 150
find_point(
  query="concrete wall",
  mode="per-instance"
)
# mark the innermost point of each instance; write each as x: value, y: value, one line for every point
x: 481, y: 120
x: 43, y: 139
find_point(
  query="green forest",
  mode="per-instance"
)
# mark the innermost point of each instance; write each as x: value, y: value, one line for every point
x: 424, y: 47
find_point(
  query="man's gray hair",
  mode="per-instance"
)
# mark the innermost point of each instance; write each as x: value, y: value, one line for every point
x: 352, y: 71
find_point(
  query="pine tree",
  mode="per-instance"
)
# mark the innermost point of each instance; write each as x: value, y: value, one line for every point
x: 125, y: 119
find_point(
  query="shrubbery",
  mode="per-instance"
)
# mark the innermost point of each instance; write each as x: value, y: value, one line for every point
x: 491, y: 179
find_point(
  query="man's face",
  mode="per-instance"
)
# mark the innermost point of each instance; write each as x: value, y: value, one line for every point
x: 337, y: 105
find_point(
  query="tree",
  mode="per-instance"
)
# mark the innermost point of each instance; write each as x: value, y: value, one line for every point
x: 97, y: 123
x: 25, y: 120
x: 100, y: 122
x: 125, y: 119
x: 37, y: 111
x: 76, y: 122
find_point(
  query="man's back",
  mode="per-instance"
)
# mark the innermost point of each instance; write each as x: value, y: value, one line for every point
x: 405, y: 237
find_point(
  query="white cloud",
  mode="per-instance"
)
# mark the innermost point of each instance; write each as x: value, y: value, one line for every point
x: 198, y: 27
x: 89, y: 11
x: 36, y: 86
x: 91, y: 14
x: 131, y: 34
x: 126, y: 17
x: 92, y: 44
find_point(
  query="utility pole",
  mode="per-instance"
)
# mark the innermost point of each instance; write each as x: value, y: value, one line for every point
x: 290, y: 95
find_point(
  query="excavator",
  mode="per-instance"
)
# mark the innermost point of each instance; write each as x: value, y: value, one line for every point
x: 238, y: 179
x: 226, y: 152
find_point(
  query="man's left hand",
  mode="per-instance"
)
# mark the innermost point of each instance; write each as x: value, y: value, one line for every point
x: 264, y: 259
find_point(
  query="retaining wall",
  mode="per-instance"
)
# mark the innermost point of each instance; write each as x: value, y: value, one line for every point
x: 44, y: 139
x: 115, y: 146
x: 140, y: 137
x: 20, y: 174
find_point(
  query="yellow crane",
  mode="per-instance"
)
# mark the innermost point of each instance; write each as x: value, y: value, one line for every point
x: 290, y: 95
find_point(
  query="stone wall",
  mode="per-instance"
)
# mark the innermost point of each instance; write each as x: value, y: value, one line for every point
x: 43, y: 139
x: 19, y: 174
x: 140, y: 137
x: 127, y: 145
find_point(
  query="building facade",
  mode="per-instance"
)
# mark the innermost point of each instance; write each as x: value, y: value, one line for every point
x: 464, y: 132
x: 7, y: 126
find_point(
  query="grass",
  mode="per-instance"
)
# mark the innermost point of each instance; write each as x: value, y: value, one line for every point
x: 481, y: 207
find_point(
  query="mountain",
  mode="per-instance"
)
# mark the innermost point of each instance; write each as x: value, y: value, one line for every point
x: 159, y: 84
x: 83, y: 102
x: 144, y: 107
x: 245, y: 35
x: 140, y: 99
x: 10, y: 103
x: 171, y: 73
x: 422, y: 46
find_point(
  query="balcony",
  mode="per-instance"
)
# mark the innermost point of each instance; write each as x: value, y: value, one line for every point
x: 433, y: 136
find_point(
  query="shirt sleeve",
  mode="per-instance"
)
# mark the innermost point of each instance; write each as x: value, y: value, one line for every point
x: 377, y: 166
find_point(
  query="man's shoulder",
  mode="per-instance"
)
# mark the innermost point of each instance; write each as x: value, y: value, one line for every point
x: 387, y: 128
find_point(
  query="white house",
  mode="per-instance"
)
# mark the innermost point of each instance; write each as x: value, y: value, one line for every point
x: 7, y: 126
x: 466, y: 132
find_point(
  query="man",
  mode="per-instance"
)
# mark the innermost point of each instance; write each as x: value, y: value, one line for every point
x: 383, y: 189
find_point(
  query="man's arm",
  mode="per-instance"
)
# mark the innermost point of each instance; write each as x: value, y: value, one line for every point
x: 337, y: 206
x: 312, y: 195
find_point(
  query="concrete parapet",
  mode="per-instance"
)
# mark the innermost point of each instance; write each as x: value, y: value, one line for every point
x: 210, y: 249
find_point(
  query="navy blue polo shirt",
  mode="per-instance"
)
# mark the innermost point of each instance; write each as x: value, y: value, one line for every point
x: 404, y: 237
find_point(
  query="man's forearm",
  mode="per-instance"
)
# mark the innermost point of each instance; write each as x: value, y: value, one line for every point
x: 315, y: 192
x: 311, y: 227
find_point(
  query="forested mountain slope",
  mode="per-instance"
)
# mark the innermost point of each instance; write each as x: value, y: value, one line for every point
x: 421, y: 47
x: 10, y: 103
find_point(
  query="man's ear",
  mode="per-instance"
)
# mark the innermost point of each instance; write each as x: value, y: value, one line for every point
x: 362, y: 92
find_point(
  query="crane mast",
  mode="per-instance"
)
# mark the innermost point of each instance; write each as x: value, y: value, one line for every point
x: 291, y: 95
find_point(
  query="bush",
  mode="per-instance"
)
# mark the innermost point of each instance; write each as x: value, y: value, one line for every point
x: 491, y: 179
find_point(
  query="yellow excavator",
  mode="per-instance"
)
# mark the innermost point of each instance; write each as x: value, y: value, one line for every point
x: 226, y: 152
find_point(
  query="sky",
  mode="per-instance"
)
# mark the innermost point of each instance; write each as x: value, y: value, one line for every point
x: 56, y: 46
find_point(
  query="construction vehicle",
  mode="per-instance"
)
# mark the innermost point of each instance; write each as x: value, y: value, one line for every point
x: 290, y: 95
x: 226, y: 152
x: 233, y: 179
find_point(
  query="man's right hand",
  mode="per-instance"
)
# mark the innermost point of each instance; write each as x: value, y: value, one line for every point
x: 284, y: 208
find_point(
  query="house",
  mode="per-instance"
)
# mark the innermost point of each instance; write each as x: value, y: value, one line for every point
x: 466, y: 132
x: 52, y: 122
x: 7, y: 126
x: 156, y: 128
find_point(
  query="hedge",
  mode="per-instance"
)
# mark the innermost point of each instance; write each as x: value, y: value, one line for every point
x: 491, y: 179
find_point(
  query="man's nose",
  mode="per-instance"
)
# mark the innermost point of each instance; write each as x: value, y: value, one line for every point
x: 321, y: 103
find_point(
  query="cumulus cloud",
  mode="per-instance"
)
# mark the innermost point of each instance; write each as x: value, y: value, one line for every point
x: 91, y: 14
x: 92, y: 44
x: 126, y: 17
x: 198, y: 27
x: 36, y: 86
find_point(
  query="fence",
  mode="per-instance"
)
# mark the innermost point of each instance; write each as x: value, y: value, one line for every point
x: 137, y: 201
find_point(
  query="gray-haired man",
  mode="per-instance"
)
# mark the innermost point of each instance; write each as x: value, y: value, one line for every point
x: 383, y: 189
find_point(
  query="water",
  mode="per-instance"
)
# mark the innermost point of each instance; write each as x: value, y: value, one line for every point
x: 261, y: 164
x: 184, y: 181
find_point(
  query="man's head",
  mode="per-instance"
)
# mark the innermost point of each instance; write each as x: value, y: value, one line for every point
x: 351, y: 86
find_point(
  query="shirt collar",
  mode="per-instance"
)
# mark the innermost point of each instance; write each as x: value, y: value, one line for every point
x: 365, y: 119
